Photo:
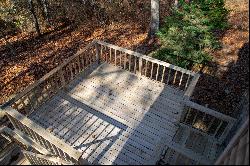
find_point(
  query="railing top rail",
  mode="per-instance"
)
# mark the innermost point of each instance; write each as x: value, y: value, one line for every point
x: 209, y: 111
x: 146, y: 58
x: 233, y: 142
x: 45, y: 77
x: 44, y: 133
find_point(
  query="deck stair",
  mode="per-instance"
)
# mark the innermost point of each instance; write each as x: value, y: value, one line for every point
x: 109, y: 105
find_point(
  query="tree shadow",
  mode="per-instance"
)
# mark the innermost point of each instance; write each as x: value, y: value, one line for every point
x: 34, y: 42
x: 224, y: 93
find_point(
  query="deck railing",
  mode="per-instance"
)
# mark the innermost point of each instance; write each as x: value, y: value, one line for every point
x: 22, y: 140
x: 148, y: 67
x: 237, y: 151
x: 206, y: 121
x: 217, y: 125
x: 39, y: 92
x: 43, y: 137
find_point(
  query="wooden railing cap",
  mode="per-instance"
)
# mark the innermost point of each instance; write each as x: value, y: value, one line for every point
x: 209, y: 111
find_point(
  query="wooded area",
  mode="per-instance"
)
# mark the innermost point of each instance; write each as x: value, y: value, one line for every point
x: 124, y: 82
x: 37, y: 35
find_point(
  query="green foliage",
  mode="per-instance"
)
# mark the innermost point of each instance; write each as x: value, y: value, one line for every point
x: 188, y: 32
x: 216, y: 13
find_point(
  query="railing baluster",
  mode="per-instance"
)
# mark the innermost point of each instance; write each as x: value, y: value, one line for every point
x: 106, y: 56
x: 40, y: 135
x: 101, y: 53
x: 129, y: 67
x: 146, y: 69
x: 135, y: 65
x: 163, y: 74
x: 194, y: 120
x: 181, y: 79
x: 188, y: 113
x: 175, y: 75
x: 225, y: 131
x: 97, y: 53
x: 187, y: 82
x: 120, y: 59
x: 55, y: 149
x: 157, y: 72
x: 140, y: 66
x: 71, y: 72
x: 110, y: 55
x: 79, y: 65
x: 218, y: 128
x: 115, y: 56
x: 124, y: 63
x: 31, y: 104
x: 152, y: 69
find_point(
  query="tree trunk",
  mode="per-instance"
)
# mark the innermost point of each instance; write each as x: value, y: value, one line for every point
x: 44, y: 5
x: 176, y: 3
x: 31, y: 6
x: 155, y: 18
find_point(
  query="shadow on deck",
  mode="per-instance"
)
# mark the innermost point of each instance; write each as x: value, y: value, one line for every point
x: 113, y: 116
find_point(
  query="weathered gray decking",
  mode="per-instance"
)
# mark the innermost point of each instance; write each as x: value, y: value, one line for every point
x: 113, y: 116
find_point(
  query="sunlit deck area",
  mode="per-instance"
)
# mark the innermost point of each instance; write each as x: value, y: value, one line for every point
x: 113, y: 116
x: 109, y: 105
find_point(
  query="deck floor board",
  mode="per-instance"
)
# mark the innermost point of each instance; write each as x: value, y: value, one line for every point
x: 113, y: 116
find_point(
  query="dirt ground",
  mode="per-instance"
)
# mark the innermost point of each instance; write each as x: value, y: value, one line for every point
x: 220, y: 85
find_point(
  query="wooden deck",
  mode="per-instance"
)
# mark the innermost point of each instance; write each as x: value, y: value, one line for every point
x: 113, y: 116
x: 110, y: 105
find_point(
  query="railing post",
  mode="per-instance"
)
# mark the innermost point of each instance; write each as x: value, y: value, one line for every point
x: 97, y: 47
x: 192, y: 85
x: 226, y: 132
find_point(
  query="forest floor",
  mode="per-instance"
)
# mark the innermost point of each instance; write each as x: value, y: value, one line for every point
x: 220, y: 86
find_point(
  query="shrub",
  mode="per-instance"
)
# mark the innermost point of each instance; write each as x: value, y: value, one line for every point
x: 187, y: 36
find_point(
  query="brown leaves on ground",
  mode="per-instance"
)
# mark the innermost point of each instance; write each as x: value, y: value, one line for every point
x: 25, y: 58
x: 222, y: 89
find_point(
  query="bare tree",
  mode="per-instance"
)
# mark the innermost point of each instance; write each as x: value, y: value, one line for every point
x: 155, y: 17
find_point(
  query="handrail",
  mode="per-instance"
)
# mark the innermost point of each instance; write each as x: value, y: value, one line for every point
x: 208, y: 111
x: 146, y: 66
x: 41, y: 135
x: 222, y: 123
x: 146, y: 57
x: 234, y: 141
x: 192, y: 85
x: 45, y: 77
x: 141, y: 56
